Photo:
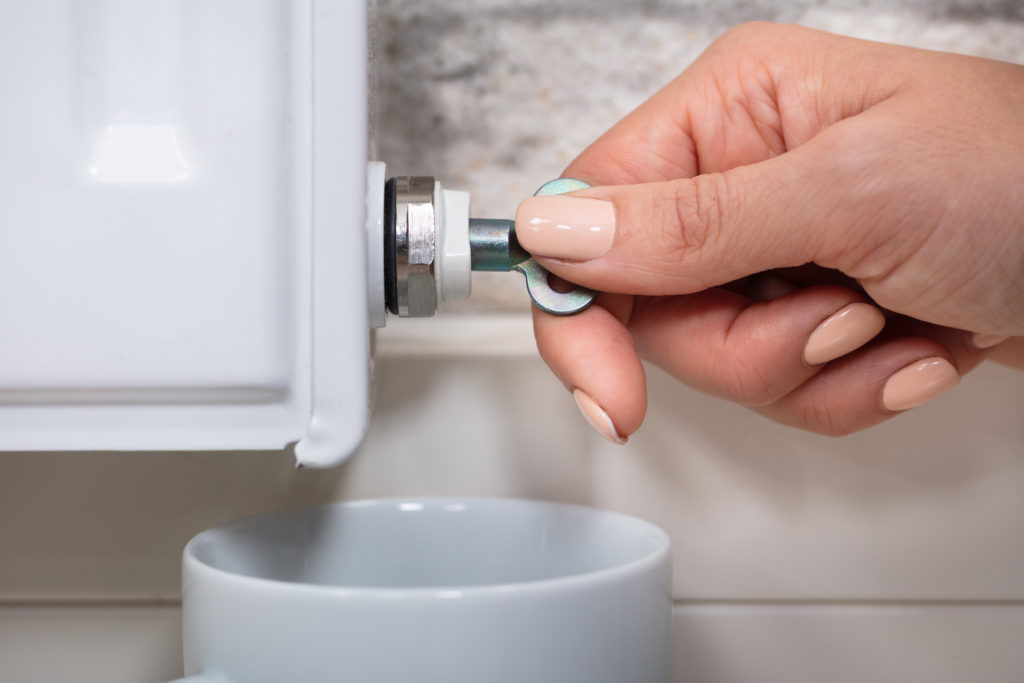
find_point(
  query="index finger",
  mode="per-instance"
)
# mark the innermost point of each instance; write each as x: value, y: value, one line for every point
x: 702, y: 121
x: 755, y: 93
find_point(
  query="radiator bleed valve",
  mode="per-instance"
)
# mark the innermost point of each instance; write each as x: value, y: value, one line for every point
x: 428, y: 245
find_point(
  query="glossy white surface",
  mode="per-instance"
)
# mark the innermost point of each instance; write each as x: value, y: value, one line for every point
x: 168, y: 222
x: 376, y: 303
x: 431, y: 590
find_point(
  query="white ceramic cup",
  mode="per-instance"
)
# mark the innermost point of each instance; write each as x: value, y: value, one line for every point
x: 429, y: 590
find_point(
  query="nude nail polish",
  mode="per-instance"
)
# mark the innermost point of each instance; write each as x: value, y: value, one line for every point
x: 981, y: 340
x: 575, y: 228
x: 597, y: 418
x: 847, y: 329
x: 919, y: 383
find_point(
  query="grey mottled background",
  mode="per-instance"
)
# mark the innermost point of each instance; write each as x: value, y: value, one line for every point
x: 496, y: 96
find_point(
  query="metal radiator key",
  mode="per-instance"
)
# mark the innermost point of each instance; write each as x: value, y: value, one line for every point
x: 493, y: 247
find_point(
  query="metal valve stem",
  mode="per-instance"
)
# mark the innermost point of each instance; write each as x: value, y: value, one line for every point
x: 493, y: 245
x: 414, y: 256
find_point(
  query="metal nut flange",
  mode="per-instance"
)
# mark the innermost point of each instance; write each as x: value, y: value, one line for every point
x: 415, y: 231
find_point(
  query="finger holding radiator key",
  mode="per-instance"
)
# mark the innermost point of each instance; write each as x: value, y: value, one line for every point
x: 828, y: 246
x: 494, y: 247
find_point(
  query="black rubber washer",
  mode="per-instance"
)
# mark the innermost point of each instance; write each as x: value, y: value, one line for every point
x: 390, y: 270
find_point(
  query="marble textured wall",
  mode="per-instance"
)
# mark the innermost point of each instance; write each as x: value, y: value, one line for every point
x: 497, y: 96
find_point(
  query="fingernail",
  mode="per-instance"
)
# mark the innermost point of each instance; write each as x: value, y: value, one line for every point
x: 987, y: 341
x: 597, y: 418
x: 919, y: 383
x: 849, y: 328
x: 576, y: 228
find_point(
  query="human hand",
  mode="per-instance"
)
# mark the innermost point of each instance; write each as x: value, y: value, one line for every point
x: 765, y: 205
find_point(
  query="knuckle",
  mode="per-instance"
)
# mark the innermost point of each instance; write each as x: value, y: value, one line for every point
x: 816, y: 417
x: 752, y: 386
x: 698, y: 214
x: 823, y: 420
x: 824, y: 417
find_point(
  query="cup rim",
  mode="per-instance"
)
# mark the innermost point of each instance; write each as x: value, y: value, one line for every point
x: 661, y: 547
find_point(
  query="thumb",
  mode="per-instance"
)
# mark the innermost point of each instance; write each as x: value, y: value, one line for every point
x: 682, y: 236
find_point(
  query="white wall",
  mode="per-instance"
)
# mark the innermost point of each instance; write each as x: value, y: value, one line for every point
x: 892, y: 555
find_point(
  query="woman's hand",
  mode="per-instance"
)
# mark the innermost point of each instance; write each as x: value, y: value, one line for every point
x: 806, y: 224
